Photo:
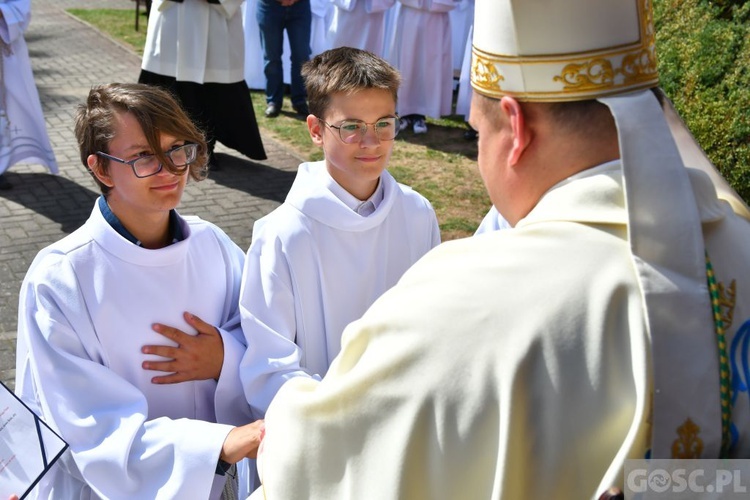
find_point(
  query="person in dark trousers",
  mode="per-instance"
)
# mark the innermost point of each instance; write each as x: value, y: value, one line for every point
x: 195, y: 49
x: 275, y: 17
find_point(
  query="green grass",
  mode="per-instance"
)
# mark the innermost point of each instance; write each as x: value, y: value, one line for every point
x: 118, y: 24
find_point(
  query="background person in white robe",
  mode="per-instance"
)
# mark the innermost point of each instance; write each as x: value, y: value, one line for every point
x: 121, y: 294
x: 346, y: 232
x: 421, y: 50
x: 532, y: 362
x: 464, y: 94
x: 196, y: 49
x: 462, y: 17
x: 360, y: 24
x: 492, y: 221
x: 23, y: 133
x: 320, y: 40
x: 253, y: 53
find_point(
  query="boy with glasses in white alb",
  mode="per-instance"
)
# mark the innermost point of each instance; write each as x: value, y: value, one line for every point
x: 131, y: 291
x: 345, y: 234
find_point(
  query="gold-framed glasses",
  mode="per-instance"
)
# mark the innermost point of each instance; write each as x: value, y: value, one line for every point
x: 148, y: 165
x: 353, y: 131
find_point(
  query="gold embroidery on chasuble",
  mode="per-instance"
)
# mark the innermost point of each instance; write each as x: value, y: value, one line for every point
x: 727, y: 300
x: 688, y: 444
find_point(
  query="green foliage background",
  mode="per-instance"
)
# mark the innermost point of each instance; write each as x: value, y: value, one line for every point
x: 703, y: 48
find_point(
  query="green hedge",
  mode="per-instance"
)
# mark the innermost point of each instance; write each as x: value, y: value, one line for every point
x: 703, y: 48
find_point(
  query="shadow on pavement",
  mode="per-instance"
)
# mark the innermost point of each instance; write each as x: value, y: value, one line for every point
x: 53, y: 196
x: 252, y: 178
x: 441, y: 138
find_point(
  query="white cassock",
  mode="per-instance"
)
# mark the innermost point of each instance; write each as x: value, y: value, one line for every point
x: 492, y: 221
x: 314, y: 266
x: 462, y: 19
x: 463, y: 99
x: 421, y: 50
x: 178, y: 42
x: 196, y: 50
x: 322, y: 14
x: 86, y: 308
x: 23, y: 133
x: 391, y: 16
x: 511, y: 365
x: 360, y: 24
x: 254, y: 76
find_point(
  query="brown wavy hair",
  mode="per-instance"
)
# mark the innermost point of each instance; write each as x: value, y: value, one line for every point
x: 347, y: 70
x: 156, y: 110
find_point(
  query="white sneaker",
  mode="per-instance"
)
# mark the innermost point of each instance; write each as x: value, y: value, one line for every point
x: 420, y: 127
x: 403, y: 124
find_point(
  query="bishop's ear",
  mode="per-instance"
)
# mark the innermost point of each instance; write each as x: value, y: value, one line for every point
x: 513, y: 112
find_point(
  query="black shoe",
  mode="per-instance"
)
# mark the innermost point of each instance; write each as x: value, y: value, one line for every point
x: 403, y: 123
x: 5, y: 184
x: 302, y: 110
x: 272, y: 110
x: 471, y: 134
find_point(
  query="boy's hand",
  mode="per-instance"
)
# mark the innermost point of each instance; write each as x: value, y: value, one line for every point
x: 196, y: 357
x: 242, y: 442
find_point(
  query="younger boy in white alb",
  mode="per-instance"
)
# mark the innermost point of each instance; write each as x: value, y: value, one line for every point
x: 345, y: 234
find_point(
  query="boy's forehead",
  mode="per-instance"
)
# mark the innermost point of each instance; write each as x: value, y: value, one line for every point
x: 362, y: 104
x: 124, y: 122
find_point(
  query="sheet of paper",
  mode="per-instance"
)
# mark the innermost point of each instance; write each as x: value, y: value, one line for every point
x: 28, y: 447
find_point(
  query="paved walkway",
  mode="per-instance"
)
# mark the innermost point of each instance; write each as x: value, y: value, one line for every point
x: 68, y: 57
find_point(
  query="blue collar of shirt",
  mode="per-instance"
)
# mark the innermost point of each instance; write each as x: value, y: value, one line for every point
x: 175, y: 228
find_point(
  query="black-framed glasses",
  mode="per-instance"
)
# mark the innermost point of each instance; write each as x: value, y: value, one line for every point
x: 352, y: 131
x: 146, y: 166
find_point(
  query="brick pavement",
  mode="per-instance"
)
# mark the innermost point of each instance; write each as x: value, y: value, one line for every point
x: 68, y: 57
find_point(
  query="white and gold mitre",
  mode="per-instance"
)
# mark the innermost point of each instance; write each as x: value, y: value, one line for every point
x: 561, y: 50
